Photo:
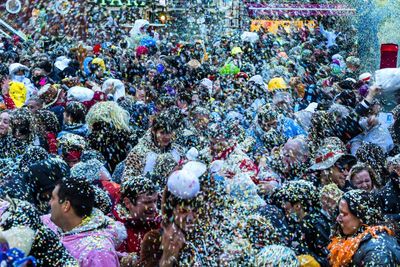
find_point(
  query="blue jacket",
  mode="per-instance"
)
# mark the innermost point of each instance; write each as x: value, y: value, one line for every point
x: 80, y: 129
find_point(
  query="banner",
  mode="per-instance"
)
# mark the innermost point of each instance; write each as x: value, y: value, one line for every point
x: 121, y: 3
x: 272, y: 25
x: 297, y: 10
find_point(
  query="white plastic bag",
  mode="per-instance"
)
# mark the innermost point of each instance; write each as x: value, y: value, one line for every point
x: 80, y: 94
x: 378, y: 135
x: 388, y: 79
x: 251, y: 37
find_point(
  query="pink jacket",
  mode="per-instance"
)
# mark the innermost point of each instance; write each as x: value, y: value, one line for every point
x: 93, y: 243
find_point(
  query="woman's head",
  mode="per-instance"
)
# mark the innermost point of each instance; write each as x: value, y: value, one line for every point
x: 164, y: 126
x: 267, y: 118
x: 357, y: 208
x: 362, y: 177
x: 374, y: 156
x: 4, y: 123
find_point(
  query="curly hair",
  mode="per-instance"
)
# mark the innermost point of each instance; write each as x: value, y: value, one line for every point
x: 359, y: 167
x: 77, y: 111
x: 374, y: 156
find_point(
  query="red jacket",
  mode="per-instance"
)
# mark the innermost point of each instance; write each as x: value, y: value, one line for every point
x: 135, y: 229
x: 136, y: 232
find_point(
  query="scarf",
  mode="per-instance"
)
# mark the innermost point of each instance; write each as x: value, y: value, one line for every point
x: 342, y: 250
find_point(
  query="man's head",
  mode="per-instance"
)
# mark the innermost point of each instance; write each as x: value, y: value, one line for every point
x: 34, y: 104
x: 298, y: 198
x: 267, y: 118
x: 339, y: 171
x: 180, y: 201
x: 294, y: 153
x: 200, y: 117
x: 185, y: 216
x: 182, y: 212
x: 393, y: 165
x: 75, y: 112
x: 22, y: 124
x: 219, y: 138
x: 70, y: 147
x: 283, y: 102
x: 333, y: 162
x: 71, y: 200
x: 140, y: 196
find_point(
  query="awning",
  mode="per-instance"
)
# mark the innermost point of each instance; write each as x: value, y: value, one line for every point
x: 298, y: 10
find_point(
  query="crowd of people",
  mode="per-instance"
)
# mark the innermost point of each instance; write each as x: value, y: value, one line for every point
x: 140, y: 149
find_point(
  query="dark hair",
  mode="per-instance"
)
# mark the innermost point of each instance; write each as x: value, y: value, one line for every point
x: 374, y: 156
x: 300, y: 191
x: 23, y: 121
x: 169, y: 203
x: 185, y: 96
x: 165, y: 122
x: 364, y: 206
x: 136, y: 185
x: 77, y: 111
x: 45, y: 65
x: 48, y: 120
x: 79, y: 193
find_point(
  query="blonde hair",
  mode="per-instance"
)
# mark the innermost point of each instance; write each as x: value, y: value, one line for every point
x: 110, y: 113
x: 333, y: 191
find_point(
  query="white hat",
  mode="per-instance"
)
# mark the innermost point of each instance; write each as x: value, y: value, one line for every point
x: 62, y: 63
x: 394, y: 160
x: 185, y: 183
x: 258, y: 79
x: 19, y: 237
x: 207, y: 83
x: 14, y: 67
x: 118, y: 85
x: 251, y: 37
x: 366, y: 77
x: 80, y: 94
x: 196, y: 168
x: 312, y: 107
x: 216, y: 166
x: 192, y: 154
